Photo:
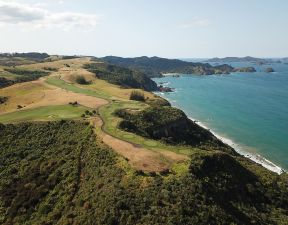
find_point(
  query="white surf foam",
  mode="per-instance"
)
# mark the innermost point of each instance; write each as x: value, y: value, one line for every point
x: 240, y: 149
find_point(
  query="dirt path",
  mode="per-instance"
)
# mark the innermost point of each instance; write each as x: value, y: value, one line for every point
x: 139, y: 157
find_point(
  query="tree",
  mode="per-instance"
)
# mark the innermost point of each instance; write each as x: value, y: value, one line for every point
x: 137, y: 96
x: 81, y: 80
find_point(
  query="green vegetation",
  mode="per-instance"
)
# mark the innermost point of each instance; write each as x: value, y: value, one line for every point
x: 155, y: 66
x: 31, y: 55
x: 20, y: 75
x: 122, y: 76
x: 111, y: 122
x: 245, y: 70
x: 27, y: 73
x: 81, y: 80
x: 4, y: 82
x: 52, y: 69
x: 137, y: 96
x: 44, y: 113
x: 170, y: 125
x: 58, y: 173
x: 17, y: 59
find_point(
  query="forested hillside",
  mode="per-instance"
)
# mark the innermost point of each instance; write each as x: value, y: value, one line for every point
x: 155, y: 66
x: 60, y: 173
x: 122, y: 76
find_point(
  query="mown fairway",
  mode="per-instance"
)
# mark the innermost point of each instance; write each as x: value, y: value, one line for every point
x: 45, y: 113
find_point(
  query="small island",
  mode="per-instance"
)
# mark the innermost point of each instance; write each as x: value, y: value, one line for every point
x: 269, y: 70
x: 245, y: 70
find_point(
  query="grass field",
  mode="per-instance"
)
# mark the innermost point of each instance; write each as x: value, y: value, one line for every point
x: 70, y: 87
x: 46, y: 113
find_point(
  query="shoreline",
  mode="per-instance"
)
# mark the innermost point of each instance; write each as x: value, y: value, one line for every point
x: 254, y: 157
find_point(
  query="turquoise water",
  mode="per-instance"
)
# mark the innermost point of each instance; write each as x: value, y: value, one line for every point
x: 251, y: 109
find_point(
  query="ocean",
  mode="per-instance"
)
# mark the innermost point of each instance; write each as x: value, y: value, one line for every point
x: 249, y: 111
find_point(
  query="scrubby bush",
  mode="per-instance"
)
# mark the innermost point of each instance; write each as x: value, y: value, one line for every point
x: 50, y: 69
x: 23, y: 76
x: 60, y: 173
x: 137, y: 96
x: 168, y: 124
x: 81, y: 80
x: 73, y: 103
x: 3, y: 99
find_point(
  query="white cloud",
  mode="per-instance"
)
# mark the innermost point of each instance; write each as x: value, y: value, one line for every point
x: 195, y: 22
x: 35, y: 17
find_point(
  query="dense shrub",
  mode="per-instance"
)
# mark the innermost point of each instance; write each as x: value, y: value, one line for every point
x: 23, y: 76
x: 137, y: 96
x: 28, y: 73
x: 81, y: 80
x: 31, y: 55
x: 5, y: 82
x: 170, y: 125
x: 50, y: 69
x: 3, y: 99
x: 59, y: 173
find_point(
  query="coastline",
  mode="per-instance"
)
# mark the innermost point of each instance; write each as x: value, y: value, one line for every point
x: 254, y: 157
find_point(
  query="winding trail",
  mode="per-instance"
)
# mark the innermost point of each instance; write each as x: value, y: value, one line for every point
x: 43, y: 93
x: 139, y: 157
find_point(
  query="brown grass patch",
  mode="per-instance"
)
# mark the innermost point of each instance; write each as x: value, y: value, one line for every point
x: 38, y: 93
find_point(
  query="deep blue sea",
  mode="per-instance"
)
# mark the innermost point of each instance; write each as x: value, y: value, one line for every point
x: 250, y: 109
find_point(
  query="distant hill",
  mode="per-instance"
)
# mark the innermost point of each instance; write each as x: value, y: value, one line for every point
x: 237, y: 59
x: 30, y: 55
x: 155, y: 66
x: 122, y: 76
x: 17, y: 59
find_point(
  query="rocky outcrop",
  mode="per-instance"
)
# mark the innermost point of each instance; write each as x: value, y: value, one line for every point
x: 165, y: 89
x: 269, y: 70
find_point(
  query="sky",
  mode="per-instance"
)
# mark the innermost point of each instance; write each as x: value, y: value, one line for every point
x: 129, y: 28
